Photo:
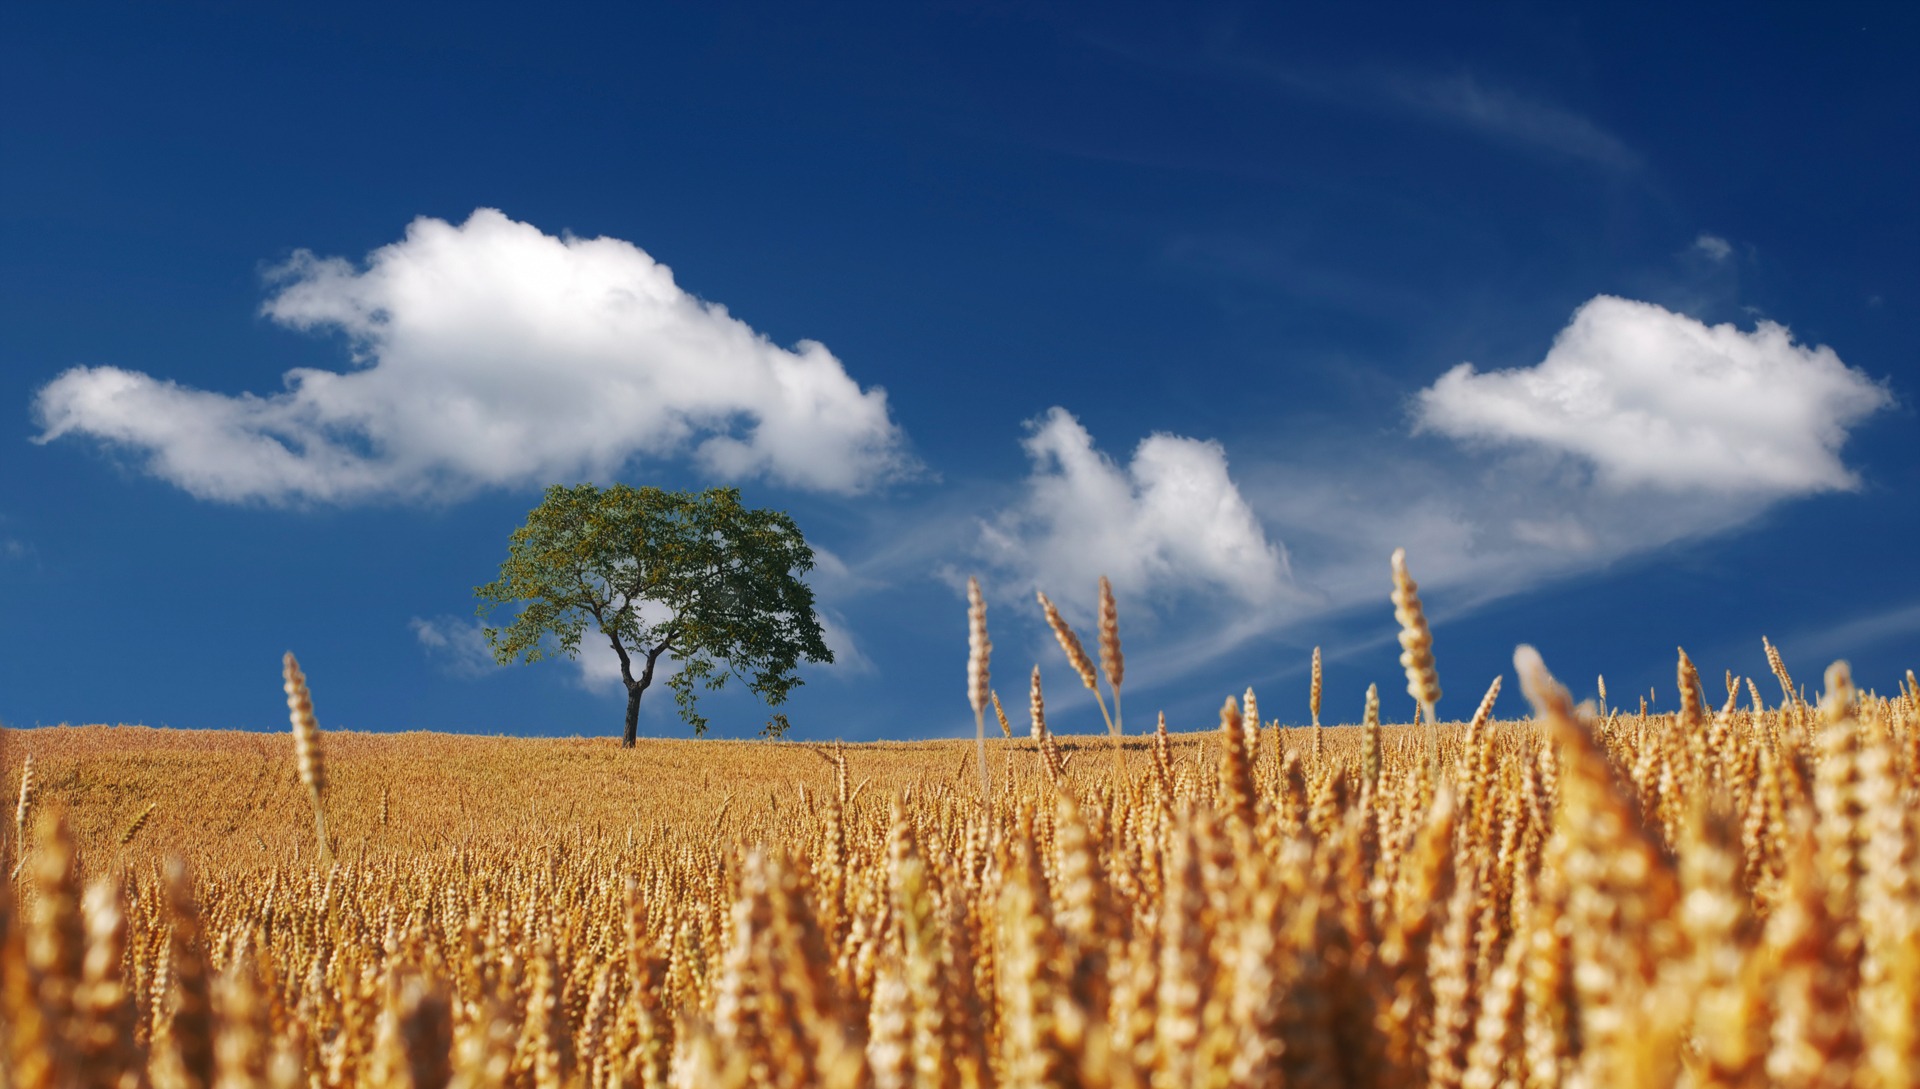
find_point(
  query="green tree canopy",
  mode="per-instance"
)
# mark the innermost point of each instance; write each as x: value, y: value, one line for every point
x: 721, y: 582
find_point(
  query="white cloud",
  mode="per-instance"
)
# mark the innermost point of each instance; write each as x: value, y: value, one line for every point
x: 1715, y: 248
x: 1656, y: 400
x: 492, y: 354
x: 1171, y: 521
x: 459, y: 645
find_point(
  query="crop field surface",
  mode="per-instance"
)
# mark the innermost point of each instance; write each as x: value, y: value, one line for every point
x: 1583, y: 898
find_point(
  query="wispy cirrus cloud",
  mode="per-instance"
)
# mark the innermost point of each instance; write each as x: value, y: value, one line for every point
x: 1857, y: 633
x: 1465, y: 100
x: 1469, y: 101
x: 1505, y: 115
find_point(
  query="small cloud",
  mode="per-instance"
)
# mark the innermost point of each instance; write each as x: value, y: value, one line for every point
x: 1656, y: 400
x: 460, y: 646
x: 1170, y: 521
x: 1713, y: 247
x: 490, y: 354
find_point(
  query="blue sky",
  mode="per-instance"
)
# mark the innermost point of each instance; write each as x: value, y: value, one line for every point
x: 1605, y: 313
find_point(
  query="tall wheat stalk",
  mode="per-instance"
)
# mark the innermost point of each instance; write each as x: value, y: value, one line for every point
x: 978, y: 650
x: 308, y: 757
x: 1113, y: 664
x: 1416, y: 652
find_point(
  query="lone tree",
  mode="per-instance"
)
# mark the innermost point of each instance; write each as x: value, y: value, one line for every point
x: 697, y: 577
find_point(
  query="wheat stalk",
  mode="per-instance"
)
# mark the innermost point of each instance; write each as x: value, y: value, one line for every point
x: 1236, y: 765
x: 1779, y: 667
x: 1313, y: 692
x: 1113, y: 664
x: 1036, y: 708
x: 1416, y: 653
x: 308, y: 757
x: 1370, y: 739
x: 1693, y: 715
x: 978, y: 649
x: 1069, y: 642
x: 21, y: 812
x: 139, y: 822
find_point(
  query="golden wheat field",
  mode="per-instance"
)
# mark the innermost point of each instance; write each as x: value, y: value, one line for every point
x: 1586, y: 898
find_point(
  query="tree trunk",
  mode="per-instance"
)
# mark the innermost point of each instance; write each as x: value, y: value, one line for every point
x: 635, y: 688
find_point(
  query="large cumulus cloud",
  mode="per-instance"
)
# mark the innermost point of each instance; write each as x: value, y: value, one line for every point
x: 490, y: 353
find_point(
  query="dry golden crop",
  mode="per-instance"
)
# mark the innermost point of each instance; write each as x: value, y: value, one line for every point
x: 1583, y: 898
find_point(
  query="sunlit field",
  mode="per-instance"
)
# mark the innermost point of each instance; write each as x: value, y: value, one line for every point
x: 1593, y: 898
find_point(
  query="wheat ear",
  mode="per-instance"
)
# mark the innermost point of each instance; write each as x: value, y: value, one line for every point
x: 1163, y: 761
x: 1313, y: 693
x: 138, y: 823
x: 1693, y: 714
x: 21, y: 813
x: 307, y: 755
x: 1037, y: 708
x: 1114, y: 665
x: 1236, y: 765
x: 1779, y: 668
x: 1416, y: 653
x: 1076, y: 654
x: 1313, y: 705
x: 1250, y: 725
x: 978, y: 648
x: 1622, y: 894
x: 1112, y: 662
x: 1370, y: 739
